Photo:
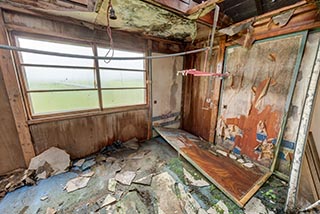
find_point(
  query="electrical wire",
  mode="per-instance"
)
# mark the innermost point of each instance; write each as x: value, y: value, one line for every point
x: 109, y: 33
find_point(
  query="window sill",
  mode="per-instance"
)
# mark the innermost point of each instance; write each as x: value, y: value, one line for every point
x: 74, y: 115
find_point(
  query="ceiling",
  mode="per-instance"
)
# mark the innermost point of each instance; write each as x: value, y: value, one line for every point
x: 167, y: 19
x: 239, y: 10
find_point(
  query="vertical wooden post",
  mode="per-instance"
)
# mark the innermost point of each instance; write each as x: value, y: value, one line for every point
x: 216, y: 89
x: 303, y: 134
x: 14, y: 94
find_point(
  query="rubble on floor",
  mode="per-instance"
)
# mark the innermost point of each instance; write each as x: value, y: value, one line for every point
x: 53, y: 161
x: 151, y: 179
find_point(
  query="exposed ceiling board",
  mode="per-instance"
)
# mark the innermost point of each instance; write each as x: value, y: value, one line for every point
x: 240, y: 10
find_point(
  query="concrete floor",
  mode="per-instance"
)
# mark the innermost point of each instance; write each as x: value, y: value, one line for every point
x: 169, y: 191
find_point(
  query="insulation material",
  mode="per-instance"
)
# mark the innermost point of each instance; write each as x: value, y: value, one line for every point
x: 254, y: 99
x: 139, y: 16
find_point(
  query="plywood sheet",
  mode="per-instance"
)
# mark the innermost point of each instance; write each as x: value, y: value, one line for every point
x: 11, y: 156
x: 83, y: 136
x: 236, y: 181
x: 255, y: 99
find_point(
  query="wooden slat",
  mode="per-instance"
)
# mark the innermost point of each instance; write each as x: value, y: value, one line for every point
x: 15, y: 97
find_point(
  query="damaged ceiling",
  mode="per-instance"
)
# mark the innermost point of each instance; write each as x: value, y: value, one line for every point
x: 156, y: 18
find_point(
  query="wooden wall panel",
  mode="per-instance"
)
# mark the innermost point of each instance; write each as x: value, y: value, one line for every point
x: 197, y: 113
x: 11, y: 156
x: 83, y: 136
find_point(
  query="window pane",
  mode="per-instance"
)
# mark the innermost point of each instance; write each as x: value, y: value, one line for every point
x: 59, y: 78
x: 52, y: 102
x: 124, y: 97
x: 128, y: 64
x: 120, y: 79
x: 30, y: 58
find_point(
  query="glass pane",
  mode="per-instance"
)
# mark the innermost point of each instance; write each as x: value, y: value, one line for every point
x: 127, y: 64
x: 52, y: 102
x: 124, y: 97
x: 30, y: 58
x: 120, y: 79
x: 58, y: 78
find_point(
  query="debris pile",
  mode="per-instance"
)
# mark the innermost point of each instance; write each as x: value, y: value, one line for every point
x: 51, y: 162
x: 55, y: 161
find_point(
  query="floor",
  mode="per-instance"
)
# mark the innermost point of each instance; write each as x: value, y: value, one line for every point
x: 176, y: 187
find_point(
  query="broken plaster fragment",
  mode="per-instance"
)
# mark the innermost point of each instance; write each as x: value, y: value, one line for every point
x: 43, y: 198
x: 88, y: 174
x: 248, y: 165
x: 193, y: 181
x: 233, y: 157
x: 79, y: 163
x: 144, y: 180
x: 108, y: 200
x: 240, y: 160
x: 112, y: 183
x: 58, y: 160
x: 222, y: 152
x: 76, y: 183
x: 50, y: 210
x: 283, y: 18
x: 126, y: 177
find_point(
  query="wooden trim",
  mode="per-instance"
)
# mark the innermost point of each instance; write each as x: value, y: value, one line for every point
x: 97, y: 76
x: 254, y: 189
x: 14, y: 94
x: 124, y: 88
x: 61, y: 90
x: 216, y: 89
x: 86, y: 113
x: 56, y: 66
x: 21, y: 74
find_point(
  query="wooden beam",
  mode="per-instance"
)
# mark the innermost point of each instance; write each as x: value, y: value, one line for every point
x: 216, y: 89
x: 202, y: 6
x: 15, y: 97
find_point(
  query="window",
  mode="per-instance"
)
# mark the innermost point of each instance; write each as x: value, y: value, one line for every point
x: 55, y: 84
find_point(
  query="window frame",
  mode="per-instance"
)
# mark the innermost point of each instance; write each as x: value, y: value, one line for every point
x: 21, y: 77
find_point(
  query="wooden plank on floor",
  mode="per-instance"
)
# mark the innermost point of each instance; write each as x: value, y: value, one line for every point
x: 237, y: 182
